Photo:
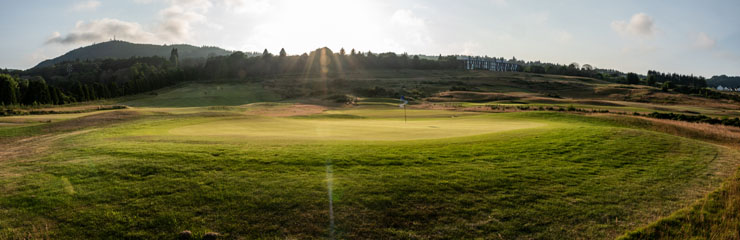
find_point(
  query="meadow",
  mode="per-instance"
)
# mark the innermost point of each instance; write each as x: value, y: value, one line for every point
x: 346, y: 173
x: 239, y: 158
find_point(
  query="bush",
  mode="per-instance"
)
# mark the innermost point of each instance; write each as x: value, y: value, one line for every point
x: 696, y: 118
x: 343, y: 98
x: 458, y: 88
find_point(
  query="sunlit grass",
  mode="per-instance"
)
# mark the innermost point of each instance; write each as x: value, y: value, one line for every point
x: 565, y: 177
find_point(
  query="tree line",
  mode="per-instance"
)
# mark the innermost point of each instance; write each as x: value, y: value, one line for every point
x: 320, y: 61
x: 725, y: 81
x: 79, y: 81
x: 573, y: 69
x: 674, y: 79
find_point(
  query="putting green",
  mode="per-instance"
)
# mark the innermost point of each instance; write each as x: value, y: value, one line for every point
x: 351, y: 129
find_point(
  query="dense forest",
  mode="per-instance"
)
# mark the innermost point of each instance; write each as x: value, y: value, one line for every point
x: 725, y: 81
x: 124, y: 50
x: 675, y: 79
x: 87, y: 80
x: 76, y: 81
x: 573, y: 69
x: 320, y: 61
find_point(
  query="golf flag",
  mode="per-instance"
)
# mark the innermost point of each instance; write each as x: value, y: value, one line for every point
x: 403, y: 105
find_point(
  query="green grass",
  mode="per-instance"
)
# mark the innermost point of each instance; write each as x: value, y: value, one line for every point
x: 338, y: 127
x: 716, y: 216
x: 19, y: 130
x: 563, y: 177
x: 199, y: 95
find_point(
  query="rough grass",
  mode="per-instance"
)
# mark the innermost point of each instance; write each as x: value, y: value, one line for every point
x: 718, y: 134
x: 715, y: 217
x: 572, y: 177
x: 199, y: 95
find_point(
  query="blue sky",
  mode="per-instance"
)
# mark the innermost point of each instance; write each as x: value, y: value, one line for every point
x: 689, y: 37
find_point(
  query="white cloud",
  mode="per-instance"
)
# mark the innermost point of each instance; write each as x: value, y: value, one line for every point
x: 194, y: 5
x: 86, y: 5
x: 175, y: 25
x: 406, y: 18
x: 248, y: 6
x: 178, y: 19
x: 471, y: 48
x: 409, y: 31
x: 702, y: 40
x: 103, y: 30
x: 639, y: 25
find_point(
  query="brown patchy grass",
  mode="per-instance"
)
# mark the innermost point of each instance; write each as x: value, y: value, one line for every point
x: 468, y: 96
x: 717, y: 134
x: 96, y: 120
x: 26, y: 146
x: 75, y: 108
x: 717, y: 216
x: 287, y: 110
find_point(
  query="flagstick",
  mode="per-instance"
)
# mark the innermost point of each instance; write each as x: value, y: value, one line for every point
x: 404, y: 113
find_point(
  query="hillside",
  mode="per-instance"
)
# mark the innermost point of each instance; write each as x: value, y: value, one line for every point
x: 725, y: 81
x: 121, y: 49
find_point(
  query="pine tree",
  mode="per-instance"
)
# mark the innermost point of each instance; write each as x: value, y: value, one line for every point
x: 8, y: 90
x: 175, y: 57
x: 282, y: 52
x: 37, y: 92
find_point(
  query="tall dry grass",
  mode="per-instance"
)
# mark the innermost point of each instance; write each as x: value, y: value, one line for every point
x: 717, y: 134
x: 716, y: 216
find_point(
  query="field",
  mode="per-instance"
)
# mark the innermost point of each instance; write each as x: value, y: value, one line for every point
x: 184, y: 159
x: 521, y: 175
x: 198, y: 95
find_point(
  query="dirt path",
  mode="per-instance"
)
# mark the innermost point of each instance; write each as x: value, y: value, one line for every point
x: 24, y: 148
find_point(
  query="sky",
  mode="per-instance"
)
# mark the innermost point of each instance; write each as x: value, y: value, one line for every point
x: 682, y: 36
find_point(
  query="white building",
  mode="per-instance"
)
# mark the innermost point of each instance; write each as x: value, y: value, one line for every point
x: 490, y: 64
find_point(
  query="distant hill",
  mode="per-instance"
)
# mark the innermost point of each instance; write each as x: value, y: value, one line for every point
x: 121, y: 49
x: 725, y: 81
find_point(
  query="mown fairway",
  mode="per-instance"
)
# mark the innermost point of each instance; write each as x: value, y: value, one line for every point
x: 441, y: 175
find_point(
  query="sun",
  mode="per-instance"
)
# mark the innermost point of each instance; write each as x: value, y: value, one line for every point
x: 302, y: 26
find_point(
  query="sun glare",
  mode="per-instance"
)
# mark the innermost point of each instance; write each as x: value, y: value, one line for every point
x: 333, y: 23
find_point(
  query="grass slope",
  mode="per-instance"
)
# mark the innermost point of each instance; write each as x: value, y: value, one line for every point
x: 715, y: 217
x: 569, y: 177
x: 200, y: 95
